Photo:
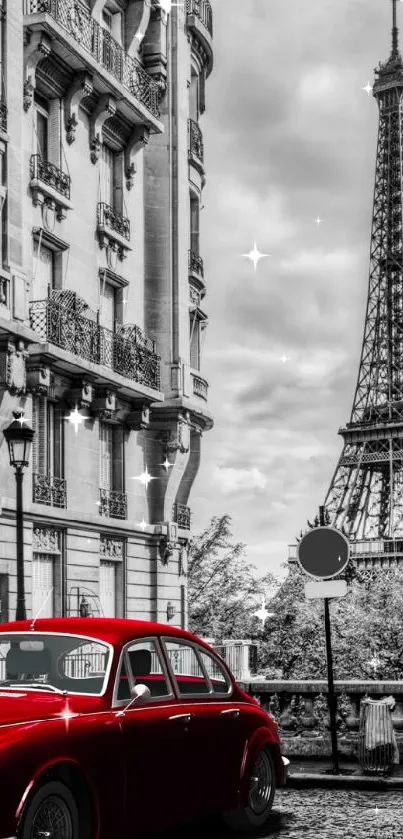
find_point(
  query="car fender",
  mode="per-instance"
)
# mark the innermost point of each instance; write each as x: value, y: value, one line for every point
x: 262, y: 737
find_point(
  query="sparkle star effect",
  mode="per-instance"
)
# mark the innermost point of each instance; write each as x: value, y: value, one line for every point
x: 166, y: 464
x: 75, y: 418
x: 21, y: 420
x: 367, y: 88
x: 67, y: 715
x: 318, y: 220
x: 263, y: 614
x: 254, y: 255
x: 144, y: 478
x: 284, y: 358
x: 166, y: 5
x: 139, y: 36
x: 143, y: 524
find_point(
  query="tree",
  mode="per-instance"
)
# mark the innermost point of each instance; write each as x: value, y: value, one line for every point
x: 223, y: 589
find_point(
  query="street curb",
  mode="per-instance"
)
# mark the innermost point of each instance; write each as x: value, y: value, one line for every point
x: 309, y: 780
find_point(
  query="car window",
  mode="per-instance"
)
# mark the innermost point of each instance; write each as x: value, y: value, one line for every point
x: 186, y: 668
x: 142, y: 662
x: 216, y: 673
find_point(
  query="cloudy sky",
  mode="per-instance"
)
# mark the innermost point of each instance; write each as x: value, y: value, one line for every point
x: 290, y: 136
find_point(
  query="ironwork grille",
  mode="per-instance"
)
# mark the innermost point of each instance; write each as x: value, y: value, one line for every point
x: 78, y: 21
x: 3, y: 116
x: 202, y: 9
x: 196, y: 263
x: 50, y: 174
x: 107, y: 215
x: 128, y: 351
x: 113, y: 504
x: 195, y: 140
x: 200, y: 387
x: 49, y: 490
x: 181, y: 515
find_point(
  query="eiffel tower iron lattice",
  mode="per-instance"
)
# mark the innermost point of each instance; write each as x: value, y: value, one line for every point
x: 365, y: 498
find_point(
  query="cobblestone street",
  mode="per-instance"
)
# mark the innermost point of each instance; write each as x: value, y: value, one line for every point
x: 321, y: 814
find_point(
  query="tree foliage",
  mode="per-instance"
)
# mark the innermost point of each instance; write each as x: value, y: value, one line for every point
x: 223, y: 589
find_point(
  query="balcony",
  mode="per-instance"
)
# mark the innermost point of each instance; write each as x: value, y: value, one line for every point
x: 200, y: 24
x: 3, y: 117
x: 49, y: 490
x: 195, y: 145
x: 200, y: 387
x: 127, y: 351
x: 94, y: 48
x: 49, y: 185
x: 113, y: 229
x: 112, y: 504
x: 181, y: 515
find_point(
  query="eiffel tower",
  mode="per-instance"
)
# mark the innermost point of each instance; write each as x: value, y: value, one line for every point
x: 365, y: 498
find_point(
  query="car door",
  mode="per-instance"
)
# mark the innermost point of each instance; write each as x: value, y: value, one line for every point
x: 156, y: 742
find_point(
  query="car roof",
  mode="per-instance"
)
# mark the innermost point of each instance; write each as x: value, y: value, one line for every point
x: 112, y: 630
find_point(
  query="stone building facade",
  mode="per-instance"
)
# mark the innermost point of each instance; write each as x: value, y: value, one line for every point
x: 101, y: 299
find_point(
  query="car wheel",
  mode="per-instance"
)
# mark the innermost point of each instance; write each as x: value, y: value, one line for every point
x: 50, y: 814
x: 262, y: 787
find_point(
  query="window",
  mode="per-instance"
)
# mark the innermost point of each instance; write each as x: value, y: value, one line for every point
x: 107, y: 176
x: 194, y: 224
x: 107, y: 589
x: 41, y: 123
x: 111, y: 444
x: 197, y: 332
x: 186, y: 668
x: 43, y: 583
x: 43, y: 271
x: 142, y: 665
x: 194, y: 109
x: 108, y: 307
x: 216, y: 673
x: 48, y: 448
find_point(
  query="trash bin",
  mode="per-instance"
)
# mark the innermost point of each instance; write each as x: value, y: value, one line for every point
x: 377, y: 746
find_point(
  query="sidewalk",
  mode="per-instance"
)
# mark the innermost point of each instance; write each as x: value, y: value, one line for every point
x: 318, y: 774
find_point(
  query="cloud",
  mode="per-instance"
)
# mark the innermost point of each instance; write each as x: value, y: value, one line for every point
x: 232, y: 480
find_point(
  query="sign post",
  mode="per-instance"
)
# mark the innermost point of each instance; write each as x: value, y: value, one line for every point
x: 324, y: 553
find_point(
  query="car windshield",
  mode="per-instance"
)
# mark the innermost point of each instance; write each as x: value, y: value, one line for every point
x: 54, y: 662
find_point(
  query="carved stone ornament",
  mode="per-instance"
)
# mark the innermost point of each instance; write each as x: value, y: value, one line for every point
x: 81, y: 394
x: 49, y: 215
x: 81, y: 87
x: 110, y: 548
x: 137, y: 141
x: 166, y: 550
x: 104, y: 109
x: 12, y: 367
x: 28, y: 94
x: 39, y: 380
x: 182, y: 440
x: 140, y: 419
x: 38, y: 47
x: 46, y: 540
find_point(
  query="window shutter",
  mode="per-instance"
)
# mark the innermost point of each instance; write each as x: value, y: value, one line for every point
x: 194, y: 224
x: 105, y: 456
x: 43, y: 274
x: 107, y: 175
x: 54, y: 133
x: 42, y: 584
x: 42, y: 131
x: 40, y: 447
x: 107, y: 589
x: 194, y: 341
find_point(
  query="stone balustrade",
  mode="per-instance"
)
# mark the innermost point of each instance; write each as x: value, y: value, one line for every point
x: 300, y: 708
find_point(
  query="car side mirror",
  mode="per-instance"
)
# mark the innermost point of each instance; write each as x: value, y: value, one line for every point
x: 140, y: 694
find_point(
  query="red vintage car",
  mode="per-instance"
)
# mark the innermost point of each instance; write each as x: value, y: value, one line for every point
x: 119, y: 728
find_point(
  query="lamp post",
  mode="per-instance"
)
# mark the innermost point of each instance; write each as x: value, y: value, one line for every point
x: 19, y: 436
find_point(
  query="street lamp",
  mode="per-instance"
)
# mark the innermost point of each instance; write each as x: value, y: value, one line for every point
x: 19, y: 436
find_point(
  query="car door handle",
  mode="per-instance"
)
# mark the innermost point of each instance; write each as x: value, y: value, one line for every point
x: 231, y: 712
x: 184, y: 717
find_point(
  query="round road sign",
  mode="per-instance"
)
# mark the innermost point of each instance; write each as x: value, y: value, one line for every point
x: 323, y: 553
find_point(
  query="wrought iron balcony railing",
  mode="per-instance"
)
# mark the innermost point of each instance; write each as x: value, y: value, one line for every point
x: 3, y: 117
x: 112, y: 504
x: 49, y: 490
x: 79, y: 23
x: 128, y: 351
x: 200, y: 387
x: 195, y: 140
x: 202, y: 9
x: 114, y: 219
x: 43, y: 170
x: 196, y: 264
x: 181, y: 515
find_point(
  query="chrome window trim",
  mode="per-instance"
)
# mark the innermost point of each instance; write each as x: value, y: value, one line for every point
x: 223, y: 669
x: 91, y: 640
x: 118, y: 703
x: 195, y: 646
